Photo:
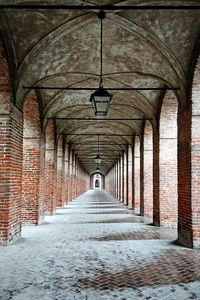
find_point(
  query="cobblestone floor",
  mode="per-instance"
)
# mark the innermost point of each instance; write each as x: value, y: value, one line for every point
x: 96, y: 249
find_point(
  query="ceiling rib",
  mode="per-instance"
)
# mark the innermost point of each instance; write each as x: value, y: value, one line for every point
x: 97, y: 7
x: 95, y: 119
x: 100, y: 134
x: 104, y: 144
x: 166, y: 88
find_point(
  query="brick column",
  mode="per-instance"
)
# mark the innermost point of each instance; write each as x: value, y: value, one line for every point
x: 195, y: 148
x: 130, y: 177
x: 136, y: 203
x: 148, y: 169
x: 59, y: 176
x: 168, y: 161
x: 188, y: 168
x: 119, y: 178
x: 33, y: 164
x: 50, y: 204
x: 122, y: 179
x: 11, y: 170
x: 126, y: 177
x: 73, y: 176
x: 70, y: 176
x: 11, y: 131
x: 156, y: 178
x: 65, y: 174
x: 142, y: 176
x: 185, y: 235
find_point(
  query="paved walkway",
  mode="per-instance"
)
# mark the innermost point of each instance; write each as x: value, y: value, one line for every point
x: 96, y: 249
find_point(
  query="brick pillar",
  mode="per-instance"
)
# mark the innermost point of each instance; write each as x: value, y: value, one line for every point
x: 59, y: 202
x: 11, y: 131
x: 122, y: 179
x: 70, y: 176
x: 185, y: 235
x: 117, y: 179
x: 50, y: 204
x: 114, y: 188
x: 11, y: 169
x: 156, y: 178
x: 55, y: 183
x: 42, y: 188
x: 148, y: 169
x: 188, y: 168
x: 142, y: 176
x: 65, y: 175
x: 168, y: 161
x: 78, y: 181
x: 130, y: 176
x: 136, y: 204
x: 195, y: 156
x: 125, y: 177
x: 75, y: 176
x: 33, y: 164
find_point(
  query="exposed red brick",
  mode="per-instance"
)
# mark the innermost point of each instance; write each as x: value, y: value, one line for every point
x: 168, y: 161
x: 33, y: 164
x: 50, y: 203
x: 148, y: 169
x: 137, y: 174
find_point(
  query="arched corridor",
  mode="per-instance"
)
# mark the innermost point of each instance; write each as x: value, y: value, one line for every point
x: 99, y: 149
x: 94, y: 248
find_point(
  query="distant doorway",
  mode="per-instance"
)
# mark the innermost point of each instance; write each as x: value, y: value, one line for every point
x: 97, y: 181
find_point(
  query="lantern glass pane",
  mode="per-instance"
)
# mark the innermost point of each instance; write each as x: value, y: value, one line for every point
x: 97, y: 160
x: 100, y: 101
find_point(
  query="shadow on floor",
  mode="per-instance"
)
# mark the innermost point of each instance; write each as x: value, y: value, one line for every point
x: 172, y: 267
x: 111, y: 212
x: 138, y: 235
x: 125, y: 220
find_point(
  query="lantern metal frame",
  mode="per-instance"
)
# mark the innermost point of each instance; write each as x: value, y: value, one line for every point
x: 98, y: 157
x: 101, y: 98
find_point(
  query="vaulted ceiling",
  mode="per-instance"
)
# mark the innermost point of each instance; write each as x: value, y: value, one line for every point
x: 60, y: 48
